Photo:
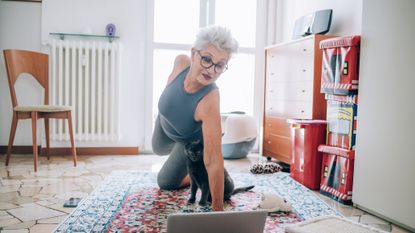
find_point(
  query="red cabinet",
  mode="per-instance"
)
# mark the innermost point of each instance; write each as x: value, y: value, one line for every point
x: 306, y: 136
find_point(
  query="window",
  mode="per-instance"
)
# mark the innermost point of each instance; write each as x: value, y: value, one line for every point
x: 182, y: 15
x: 173, y: 26
x: 240, y: 19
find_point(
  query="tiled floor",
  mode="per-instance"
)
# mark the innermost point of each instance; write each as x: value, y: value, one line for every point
x: 33, y: 203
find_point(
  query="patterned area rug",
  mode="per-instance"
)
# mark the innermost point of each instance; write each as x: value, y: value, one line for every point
x: 130, y: 201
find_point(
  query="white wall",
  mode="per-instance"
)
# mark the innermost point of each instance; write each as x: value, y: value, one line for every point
x: 385, y: 157
x: 19, y: 28
x: 346, y: 19
x: 27, y: 26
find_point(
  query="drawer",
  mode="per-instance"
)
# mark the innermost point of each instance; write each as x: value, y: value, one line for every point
x: 276, y: 70
x: 277, y: 145
x: 293, y: 91
x: 274, y: 58
x: 277, y: 125
x: 305, y: 53
x: 291, y: 62
x: 295, y: 74
x: 289, y: 109
x: 304, y: 72
x: 288, y: 71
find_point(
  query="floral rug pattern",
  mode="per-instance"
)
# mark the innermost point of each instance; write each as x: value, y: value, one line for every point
x: 130, y: 201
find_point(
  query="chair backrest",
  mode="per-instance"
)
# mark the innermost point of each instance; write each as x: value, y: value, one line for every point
x: 22, y: 61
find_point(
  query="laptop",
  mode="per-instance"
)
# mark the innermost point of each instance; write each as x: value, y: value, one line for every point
x: 217, y: 222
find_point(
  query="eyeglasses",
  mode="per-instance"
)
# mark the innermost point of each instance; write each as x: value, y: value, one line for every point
x: 206, y: 62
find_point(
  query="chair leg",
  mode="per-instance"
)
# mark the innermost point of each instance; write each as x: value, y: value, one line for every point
x: 34, y: 120
x: 11, y: 138
x: 47, y: 137
x: 72, y: 138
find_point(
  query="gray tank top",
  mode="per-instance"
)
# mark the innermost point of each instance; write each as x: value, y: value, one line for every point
x: 177, y: 109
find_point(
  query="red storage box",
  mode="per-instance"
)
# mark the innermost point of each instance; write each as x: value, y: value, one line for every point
x: 340, y: 71
x: 337, y: 173
x: 306, y: 136
x: 341, y: 121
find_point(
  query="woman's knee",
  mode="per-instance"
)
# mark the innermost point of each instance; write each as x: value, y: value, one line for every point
x: 161, y: 146
x: 160, y: 142
x: 173, y: 170
x: 160, y: 150
x: 166, y: 183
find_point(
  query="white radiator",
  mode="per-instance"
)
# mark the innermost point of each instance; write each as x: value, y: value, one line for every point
x: 86, y: 75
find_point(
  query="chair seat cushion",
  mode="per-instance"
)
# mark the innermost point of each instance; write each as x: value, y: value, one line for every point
x: 42, y: 108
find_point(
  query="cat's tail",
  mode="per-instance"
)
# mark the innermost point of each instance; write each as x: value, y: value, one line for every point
x: 242, y: 189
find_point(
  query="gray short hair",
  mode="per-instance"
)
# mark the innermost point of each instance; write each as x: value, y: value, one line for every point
x: 220, y: 37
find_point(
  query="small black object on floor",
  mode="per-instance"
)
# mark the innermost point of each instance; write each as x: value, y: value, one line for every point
x: 72, y: 202
x: 285, y: 167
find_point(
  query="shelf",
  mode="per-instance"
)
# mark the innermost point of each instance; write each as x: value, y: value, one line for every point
x: 63, y: 35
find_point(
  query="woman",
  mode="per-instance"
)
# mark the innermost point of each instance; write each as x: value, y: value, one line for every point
x: 189, y: 112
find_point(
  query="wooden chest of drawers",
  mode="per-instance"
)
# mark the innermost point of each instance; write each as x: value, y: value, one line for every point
x: 292, y: 90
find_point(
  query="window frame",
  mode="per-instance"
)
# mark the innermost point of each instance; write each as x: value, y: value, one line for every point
x: 207, y: 17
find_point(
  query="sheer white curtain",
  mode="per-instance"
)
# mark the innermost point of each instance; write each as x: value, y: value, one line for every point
x: 263, y: 33
x: 267, y: 26
x: 272, y: 21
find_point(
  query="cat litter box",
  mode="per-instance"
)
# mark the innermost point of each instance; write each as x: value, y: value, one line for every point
x: 239, y: 133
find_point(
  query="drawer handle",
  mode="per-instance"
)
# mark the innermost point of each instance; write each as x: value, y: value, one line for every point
x: 304, y: 50
x: 304, y: 70
x: 303, y: 91
x: 302, y: 111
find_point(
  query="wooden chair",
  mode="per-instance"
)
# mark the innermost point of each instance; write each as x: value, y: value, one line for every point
x: 37, y: 65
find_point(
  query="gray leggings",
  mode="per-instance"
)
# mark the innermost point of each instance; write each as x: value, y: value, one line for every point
x: 174, y: 169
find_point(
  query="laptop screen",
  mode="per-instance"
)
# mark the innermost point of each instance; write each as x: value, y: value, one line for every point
x: 218, y: 222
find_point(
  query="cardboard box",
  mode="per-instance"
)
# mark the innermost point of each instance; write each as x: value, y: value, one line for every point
x: 341, y: 121
x: 340, y: 72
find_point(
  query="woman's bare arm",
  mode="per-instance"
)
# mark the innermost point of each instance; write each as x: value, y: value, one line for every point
x: 180, y: 63
x: 208, y: 112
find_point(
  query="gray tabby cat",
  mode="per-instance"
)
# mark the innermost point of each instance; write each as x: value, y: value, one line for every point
x: 199, y: 176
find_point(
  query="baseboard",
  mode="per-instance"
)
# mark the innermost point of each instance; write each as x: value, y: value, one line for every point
x: 396, y: 222
x: 79, y: 151
x: 18, y: 149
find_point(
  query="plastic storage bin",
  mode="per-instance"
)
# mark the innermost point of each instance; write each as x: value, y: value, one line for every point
x: 340, y: 73
x: 337, y: 173
x: 341, y: 121
x: 306, y: 136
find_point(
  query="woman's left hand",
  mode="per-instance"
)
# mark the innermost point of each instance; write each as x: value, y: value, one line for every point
x: 217, y: 206
x: 208, y: 112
